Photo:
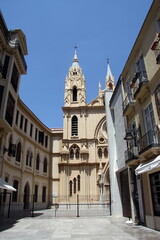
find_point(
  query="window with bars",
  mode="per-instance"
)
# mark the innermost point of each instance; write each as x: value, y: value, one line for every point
x: 74, y: 126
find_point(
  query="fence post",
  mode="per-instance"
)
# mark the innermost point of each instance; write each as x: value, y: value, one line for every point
x: 77, y: 205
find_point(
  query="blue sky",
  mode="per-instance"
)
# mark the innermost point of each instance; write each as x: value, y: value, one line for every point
x: 100, y: 28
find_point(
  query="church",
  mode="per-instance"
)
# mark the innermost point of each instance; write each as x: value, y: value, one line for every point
x: 40, y: 164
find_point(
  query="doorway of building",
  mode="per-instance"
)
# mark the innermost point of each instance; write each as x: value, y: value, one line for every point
x: 26, y: 196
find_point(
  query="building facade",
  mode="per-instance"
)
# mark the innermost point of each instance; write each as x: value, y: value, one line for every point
x: 43, y: 164
x: 140, y: 88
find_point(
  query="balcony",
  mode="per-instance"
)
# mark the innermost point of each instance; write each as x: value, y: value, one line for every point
x: 140, y: 84
x: 131, y: 154
x: 149, y: 144
x: 127, y: 103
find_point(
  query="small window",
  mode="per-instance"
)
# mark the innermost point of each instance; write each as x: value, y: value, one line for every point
x: 41, y: 137
x: 25, y: 125
x: 45, y: 166
x: 37, y: 162
x: 31, y: 129
x: 46, y: 141
x: 36, y: 132
x: 74, y: 126
x: 21, y: 122
x: 100, y: 153
x: 27, y: 158
x: 18, y: 153
x: 30, y: 159
x: 17, y: 117
x: 74, y: 94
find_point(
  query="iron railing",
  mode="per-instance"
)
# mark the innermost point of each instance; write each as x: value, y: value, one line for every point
x: 128, y: 101
x: 149, y: 140
x: 131, y: 153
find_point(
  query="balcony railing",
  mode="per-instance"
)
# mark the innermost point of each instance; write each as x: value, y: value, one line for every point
x: 149, y: 140
x: 140, y: 81
x: 128, y: 101
x: 131, y: 153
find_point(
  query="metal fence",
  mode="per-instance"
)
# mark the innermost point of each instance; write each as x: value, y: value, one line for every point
x: 63, y: 206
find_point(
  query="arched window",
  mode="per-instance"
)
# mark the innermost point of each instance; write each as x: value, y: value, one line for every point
x: 70, y: 188
x: 74, y: 93
x: 100, y: 153
x: 45, y: 166
x: 10, y: 146
x: 74, y: 152
x: 18, y: 153
x: 27, y: 158
x: 74, y: 126
x: 74, y: 182
x: 37, y: 162
x: 30, y: 159
x: 105, y: 153
x: 78, y: 180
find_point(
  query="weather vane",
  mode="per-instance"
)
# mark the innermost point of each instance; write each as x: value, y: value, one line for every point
x: 75, y: 47
x: 107, y: 60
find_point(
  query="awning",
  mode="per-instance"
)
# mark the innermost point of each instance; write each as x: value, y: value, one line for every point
x: 142, y: 168
x: 5, y: 185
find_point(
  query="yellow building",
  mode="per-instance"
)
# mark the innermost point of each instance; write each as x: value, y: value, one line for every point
x: 141, y: 87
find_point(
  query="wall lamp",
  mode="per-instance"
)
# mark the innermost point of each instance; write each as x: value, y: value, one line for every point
x: 131, y: 134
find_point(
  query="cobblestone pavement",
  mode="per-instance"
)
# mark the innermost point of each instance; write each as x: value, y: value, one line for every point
x: 73, y: 228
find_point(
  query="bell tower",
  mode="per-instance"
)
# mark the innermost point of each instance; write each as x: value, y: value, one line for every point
x: 75, y: 86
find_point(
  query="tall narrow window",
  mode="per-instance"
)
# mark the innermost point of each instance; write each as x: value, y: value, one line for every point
x: 15, y: 77
x: 74, y: 182
x: 25, y: 125
x: 36, y: 193
x: 27, y: 158
x: 46, y: 141
x: 74, y: 126
x: 31, y: 130
x: 100, y: 153
x: 74, y: 94
x: 17, y: 117
x: 43, y: 194
x: 5, y: 66
x: 45, y: 166
x: 21, y: 122
x: 37, y: 162
x: 70, y: 188
x: 30, y: 159
x: 79, y: 183
x: 10, y: 109
x: 15, y: 193
x: 18, y: 153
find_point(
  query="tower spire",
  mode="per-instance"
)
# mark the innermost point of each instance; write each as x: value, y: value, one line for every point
x: 109, y: 78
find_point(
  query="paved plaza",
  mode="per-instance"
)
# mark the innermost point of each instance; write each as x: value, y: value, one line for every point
x: 73, y: 228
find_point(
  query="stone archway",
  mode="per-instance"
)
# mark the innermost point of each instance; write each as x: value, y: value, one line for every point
x: 26, y: 196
